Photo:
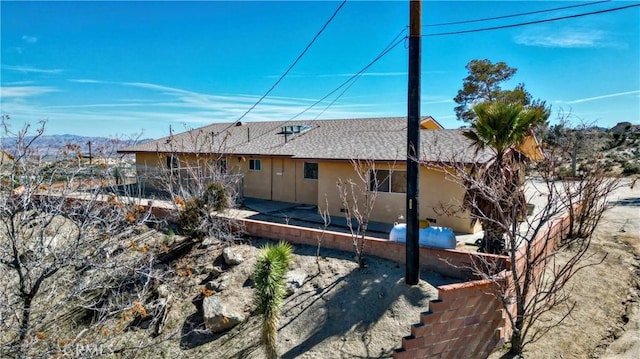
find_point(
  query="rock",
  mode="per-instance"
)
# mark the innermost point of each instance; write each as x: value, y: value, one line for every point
x: 210, y: 241
x: 216, y: 285
x: 219, y: 317
x: 231, y: 257
x: 294, y: 279
x: 163, y: 291
x: 212, y: 270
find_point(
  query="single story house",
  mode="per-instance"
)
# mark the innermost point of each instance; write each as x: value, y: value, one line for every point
x: 301, y: 162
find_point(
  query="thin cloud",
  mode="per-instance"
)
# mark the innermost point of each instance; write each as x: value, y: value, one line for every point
x: 172, y: 106
x: 29, y: 39
x: 619, y: 94
x: 24, y: 91
x: 19, y: 83
x: 566, y: 38
x: 28, y: 69
x: 86, y: 81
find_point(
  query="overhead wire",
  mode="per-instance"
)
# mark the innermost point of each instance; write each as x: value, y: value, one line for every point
x: 351, y: 80
x: 531, y: 22
x: 515, y: 15
x: 317, y: 35
x: 391, y: 43
x: 395, y: 42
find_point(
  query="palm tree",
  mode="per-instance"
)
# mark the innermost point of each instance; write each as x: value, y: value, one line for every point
x: 495, y: 195
x: 268, y: 279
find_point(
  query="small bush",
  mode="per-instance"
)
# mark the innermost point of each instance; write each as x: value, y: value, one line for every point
x: 194, y: 218
x: 215, y: 197
x: 630, y: 168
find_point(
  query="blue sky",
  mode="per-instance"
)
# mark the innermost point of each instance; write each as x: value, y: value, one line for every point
x: 117, y: 68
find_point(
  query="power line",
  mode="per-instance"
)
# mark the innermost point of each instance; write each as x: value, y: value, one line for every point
x: 290, y: 67
x: 391, y: 43
x: 530, y: 22
x: 395, y: 42
x: 514, y: 15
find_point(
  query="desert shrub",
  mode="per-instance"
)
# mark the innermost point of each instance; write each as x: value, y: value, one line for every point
x: 268, y: 279
x: 215, y: 197
x: 608, y: 166
x: 194, y: 218
x: 630, y: 168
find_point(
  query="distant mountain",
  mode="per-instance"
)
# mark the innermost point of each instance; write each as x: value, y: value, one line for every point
x: 52, y: 144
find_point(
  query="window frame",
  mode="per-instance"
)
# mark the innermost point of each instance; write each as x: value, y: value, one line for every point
x: 305, y: 171
x: 386, y: 184
x: 221, y: 166
x: 256, y: 163
x: 172, y: 162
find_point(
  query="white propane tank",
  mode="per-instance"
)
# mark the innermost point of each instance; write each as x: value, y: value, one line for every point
x: 438, y: 237
x: 398, y: 232
x: 435, y: 237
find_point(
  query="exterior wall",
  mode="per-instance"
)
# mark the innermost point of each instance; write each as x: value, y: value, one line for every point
x: 531, y: 148
x: 439, y: 193
x: 279, y: 179
x: 152, y: 168
x: 436, y: 191
x: 387, y: 207
x: 256, y: 184
x: 282, y: 179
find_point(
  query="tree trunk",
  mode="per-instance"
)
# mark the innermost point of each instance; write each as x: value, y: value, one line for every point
x: 493, y: 240
x: 516, y: 342
x: 24, y: 326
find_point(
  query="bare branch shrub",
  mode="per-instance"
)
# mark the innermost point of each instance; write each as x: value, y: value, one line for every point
x: 62, y: 230
x: 358, y: 198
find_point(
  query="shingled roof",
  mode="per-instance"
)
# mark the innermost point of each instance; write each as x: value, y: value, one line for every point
x: 380, y: 139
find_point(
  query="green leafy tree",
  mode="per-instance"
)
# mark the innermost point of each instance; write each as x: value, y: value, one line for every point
x: 268, y: 279
x: 483, y: 84
x: 501, y: 127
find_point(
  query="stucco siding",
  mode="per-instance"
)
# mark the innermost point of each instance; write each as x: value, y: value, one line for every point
x: 437, y: 192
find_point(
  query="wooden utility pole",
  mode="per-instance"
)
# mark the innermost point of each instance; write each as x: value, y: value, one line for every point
x: 412, y: 275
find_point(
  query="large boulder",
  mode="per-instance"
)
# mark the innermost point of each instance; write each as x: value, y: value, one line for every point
x: 219, y: 316
x: 231, y: 257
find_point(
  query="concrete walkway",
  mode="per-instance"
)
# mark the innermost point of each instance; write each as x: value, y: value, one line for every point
x: 308, y: 216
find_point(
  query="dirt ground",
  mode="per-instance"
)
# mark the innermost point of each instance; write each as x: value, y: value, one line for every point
x: 606, y: 319
x: 340, y: 311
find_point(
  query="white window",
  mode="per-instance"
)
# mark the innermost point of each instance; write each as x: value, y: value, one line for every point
x: 255, y: 165
x: 388, y: 181
x: 310, y: 170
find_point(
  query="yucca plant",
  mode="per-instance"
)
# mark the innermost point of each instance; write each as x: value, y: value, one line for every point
x: 268, y: 279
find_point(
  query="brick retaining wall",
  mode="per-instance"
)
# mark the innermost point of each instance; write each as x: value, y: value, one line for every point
x: 468, y: 319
